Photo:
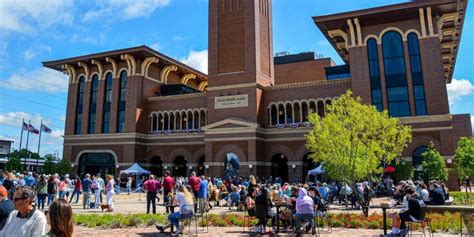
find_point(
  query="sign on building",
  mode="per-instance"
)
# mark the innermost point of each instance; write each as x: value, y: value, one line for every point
x: 232, y: 101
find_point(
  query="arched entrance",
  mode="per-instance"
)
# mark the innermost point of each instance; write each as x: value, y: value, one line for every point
x: 179, y: 166
x: 280, y: 167
x: 231, y: 165
x: 156, y: 167
x: 201, y: 166
x: 417, y: 162
x: 308, y: 164
x: 96, y: 163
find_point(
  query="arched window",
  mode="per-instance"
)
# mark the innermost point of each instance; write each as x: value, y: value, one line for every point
x: 375, y: 85
x: 416, y: 74
x: 395, y: 74
x: 122, y: 100
x: 93, y: 103
x: 80, y: 104
x: 107, y: 103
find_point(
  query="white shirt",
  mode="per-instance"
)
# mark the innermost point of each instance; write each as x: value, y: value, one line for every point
x: 31, y: 226
x: 425, y: 196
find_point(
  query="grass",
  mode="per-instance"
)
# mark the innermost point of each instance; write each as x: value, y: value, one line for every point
x: 444, y: 222
x: 461, y: 197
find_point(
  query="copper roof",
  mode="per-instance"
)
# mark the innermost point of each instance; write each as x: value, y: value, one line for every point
x: 396, y: 13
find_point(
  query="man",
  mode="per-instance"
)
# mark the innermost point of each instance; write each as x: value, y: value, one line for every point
x: 25, y: 220
x: 168, y: 184
x: 102, y: 186
x: 202, y: 194
x: 6, y: 206
x: 21, y: 180
x: 304, y: 211
x: 413, y: 213
x: 86, y: 191
x: 194, y: 182
x: 436, y: 194
x: 151, y: 187
x: 30, y: 180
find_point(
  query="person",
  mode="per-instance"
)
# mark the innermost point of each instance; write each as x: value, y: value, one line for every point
x: 252, y: 182
x: 304, y: 211
x: 234, y: 197
x: 415, y: 205
x: 151, y: 187
x: 467, y: 183
x: 168, y: 184
x: 30, y: 180
x: 317, y: 200
x: 185, y: 201
x: 60, y: 219
x: 436, y: 195
x: 194, y: 182
x: 129, y: 185
x: 96, y: 189
x: 26, y: 220
x: 69, y: 187
x: 21, y: 180
x: 101, y: 186
x: 424, y: 194
x: 86, y: 191
x: 203, y: 194
x: 250, y: 201
x: 77, y: 189
x: 6, y: 206
x: 63, y: 185
x: 263, y: 209
x: 109, y: 193
x: 42, y: 191
x: 52, y: 189
x: 8, y: 182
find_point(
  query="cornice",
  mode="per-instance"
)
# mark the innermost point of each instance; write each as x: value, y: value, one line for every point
x: 177, y: 97
x: 307, y: 84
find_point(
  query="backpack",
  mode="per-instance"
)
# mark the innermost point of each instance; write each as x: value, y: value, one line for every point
x: 323, y: 206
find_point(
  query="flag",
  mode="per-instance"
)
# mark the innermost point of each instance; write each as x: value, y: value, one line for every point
x: 32, y: 129
x: 25, y: 126
x: 45, y: 129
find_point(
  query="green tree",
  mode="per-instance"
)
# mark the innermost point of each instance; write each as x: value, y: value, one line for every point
x: 465, y: 157
x: 354, y: 139
x: 403, y: 170
x: 63, y: 167
x: 14, y: 163
x: 49, y: 166
x: 434, y: 165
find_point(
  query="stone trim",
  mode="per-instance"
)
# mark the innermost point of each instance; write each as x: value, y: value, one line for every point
x: 306, y: 84
x: 237, y: 86
x: 177, y: 97
x: 431, y: 129
x: 426, y: 118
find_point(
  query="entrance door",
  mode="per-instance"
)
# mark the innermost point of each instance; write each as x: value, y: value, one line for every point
x: 417, y: 163
x: 96, y: 163
x: 156, y: 166
x: 280, y: 167
x: 201, y: 166
x: 179, y: 169
x: 308, y: 164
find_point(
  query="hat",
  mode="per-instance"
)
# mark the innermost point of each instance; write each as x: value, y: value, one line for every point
x: 3, y: 191
x: 312, y: 188
x: 66, y: 176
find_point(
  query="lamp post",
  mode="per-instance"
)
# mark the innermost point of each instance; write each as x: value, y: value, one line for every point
x: 250, y: 167
x: 294, y: 167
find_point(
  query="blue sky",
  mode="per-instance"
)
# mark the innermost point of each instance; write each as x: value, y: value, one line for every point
x: 35, y: 31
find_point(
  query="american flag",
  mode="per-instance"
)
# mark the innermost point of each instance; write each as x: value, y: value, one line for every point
x: 32, y: 129
x: 45, y: 129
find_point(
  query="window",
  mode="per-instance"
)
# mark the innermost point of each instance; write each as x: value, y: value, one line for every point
x: 80, y: 104
x: 107, y: 103
x: 122, y: 99
x: 395, y: 74
x: 375, y: 85
x: 93, y: 104
x: 417, y: 74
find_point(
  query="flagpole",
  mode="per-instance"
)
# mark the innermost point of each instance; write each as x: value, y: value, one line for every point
x: 21, y: 136
x: 39, y: 143
x: 27, y: 140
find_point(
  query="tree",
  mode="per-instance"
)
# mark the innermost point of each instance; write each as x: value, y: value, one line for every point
x: 49, y: 166
x: 14, y: 163
x: 434, y: 165
x: 465, y: 157
x: 63, y: 167
x: 403, y: 170
x: 354, y: 139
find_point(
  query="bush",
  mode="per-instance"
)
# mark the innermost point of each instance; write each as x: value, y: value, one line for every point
x: 461, y: 196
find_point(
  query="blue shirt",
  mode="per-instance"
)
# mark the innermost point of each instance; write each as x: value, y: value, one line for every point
x: 21, y: 182
x: 86, y: 185
x: 30, y: 181
x: 203, y: 189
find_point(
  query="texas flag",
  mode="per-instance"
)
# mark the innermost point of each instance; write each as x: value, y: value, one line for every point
x: 45, y: 129
x: 32, y: 129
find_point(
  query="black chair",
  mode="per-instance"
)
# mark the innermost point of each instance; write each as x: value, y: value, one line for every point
x: 423, y: 221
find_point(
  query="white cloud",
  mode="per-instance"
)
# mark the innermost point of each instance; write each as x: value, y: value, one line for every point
x: 123, y: 9
x: 88, y: 39
x: 14, y: 119
x: 50, y: 81
x: 155, y: 46
x: 62, y: 118
x: 459, y: 88
x: 197, y: 60
x: 178, y: 38
x: 57, y: 133
x: 32, y: 16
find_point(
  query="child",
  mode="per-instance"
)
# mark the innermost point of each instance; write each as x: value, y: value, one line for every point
x: 234, y: 197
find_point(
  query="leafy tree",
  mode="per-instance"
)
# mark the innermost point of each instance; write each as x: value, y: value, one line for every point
x: 14, y: 163
x: 465, y: 157
x: 353, y: 139
x: 63, y: 167
x: 49, y: 166
x: 403, y: 170
x: 434, y: 165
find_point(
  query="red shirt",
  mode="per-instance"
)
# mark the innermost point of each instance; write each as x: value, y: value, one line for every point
x: 194, y: 183
x: 168, y: 183
x: 151, y: 185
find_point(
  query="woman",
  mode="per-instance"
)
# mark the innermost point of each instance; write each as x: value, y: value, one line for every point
x: 129, y: 185
x: 425, y: 196
x: 63, y: 184
x: 60, y: 219
x: 252, y: 182
x: 264, y: 211
x: 222, y: 193
x: 42, y: 191
x: 250, y: 201
x: 77, y: 189
x: 185, y: 200
x: 52, y: 189
x: 109, y: 193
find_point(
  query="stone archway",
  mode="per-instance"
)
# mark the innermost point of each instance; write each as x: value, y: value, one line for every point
x: 179, y: 166
x: 201, y: 166
x: 308, y: 164
x: 280, y: 167
x: 156, y: 167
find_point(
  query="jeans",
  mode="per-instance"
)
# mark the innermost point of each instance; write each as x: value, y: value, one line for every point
x: 85, y: 199
x: 306, y: 217
x: 75, y: 192
x: 175, y: 217
x: 41, y: 200
x: 51, y: 197
x: 151, y: 200
x: 62, y: 194
x: 202, y: 207
x: 166, y: 201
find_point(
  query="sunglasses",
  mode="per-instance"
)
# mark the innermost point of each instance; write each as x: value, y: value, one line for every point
x: 18, y: 199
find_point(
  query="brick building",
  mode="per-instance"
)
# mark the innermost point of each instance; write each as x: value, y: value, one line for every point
x: 247, y: 116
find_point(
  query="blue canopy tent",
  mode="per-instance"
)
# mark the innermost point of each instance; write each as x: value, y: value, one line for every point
x: 135, y: 169
x: 316, y: 171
